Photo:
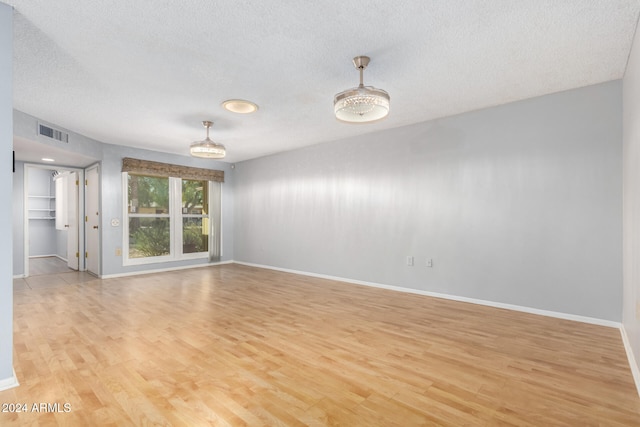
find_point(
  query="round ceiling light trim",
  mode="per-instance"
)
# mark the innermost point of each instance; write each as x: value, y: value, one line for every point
x: 240, y: 106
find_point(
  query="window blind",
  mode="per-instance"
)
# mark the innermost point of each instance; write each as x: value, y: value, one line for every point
x: 147, y: 167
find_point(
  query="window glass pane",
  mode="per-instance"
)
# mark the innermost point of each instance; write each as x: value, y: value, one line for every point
x: 195, y: 235
x: 148, y: 194
x: 149, y: 237
x: 195, y: 197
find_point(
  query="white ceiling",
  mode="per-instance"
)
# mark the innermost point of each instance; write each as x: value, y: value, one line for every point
x: 146, y: 73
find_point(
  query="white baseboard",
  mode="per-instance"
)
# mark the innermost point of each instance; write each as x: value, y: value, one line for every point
x: 559, y: 315
x: 19, y: 276
x: 43, y: 256
x: 10, y: 382
x: 163, y: 270
x: 635, y: 370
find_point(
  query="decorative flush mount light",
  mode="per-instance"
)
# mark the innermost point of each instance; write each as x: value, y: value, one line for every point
x: 240, y: 106
x: 207, y: 148
x: 363, y: 103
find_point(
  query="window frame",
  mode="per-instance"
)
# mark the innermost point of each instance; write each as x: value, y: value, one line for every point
x: 175, y: 216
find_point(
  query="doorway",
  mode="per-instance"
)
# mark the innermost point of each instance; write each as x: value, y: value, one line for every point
x: 52, y: 207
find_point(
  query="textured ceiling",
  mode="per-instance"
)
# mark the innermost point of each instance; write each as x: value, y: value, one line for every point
x: 146, y: 73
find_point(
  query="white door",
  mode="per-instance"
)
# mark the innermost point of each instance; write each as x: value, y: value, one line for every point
x: 92, y: 220
x: 72, y: 220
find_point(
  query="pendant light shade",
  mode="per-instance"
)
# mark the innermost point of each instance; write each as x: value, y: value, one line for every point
x: 208, y: 149
x: 363, y: 103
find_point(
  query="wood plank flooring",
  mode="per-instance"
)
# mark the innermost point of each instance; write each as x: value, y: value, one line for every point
x: 239, y: 346
x: 47, y: 265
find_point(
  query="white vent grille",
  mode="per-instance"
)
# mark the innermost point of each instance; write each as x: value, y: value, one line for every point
x: 52, y: 133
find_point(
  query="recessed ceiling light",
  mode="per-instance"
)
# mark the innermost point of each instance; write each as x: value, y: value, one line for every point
x: 239, y: 106
x: 46, y: 159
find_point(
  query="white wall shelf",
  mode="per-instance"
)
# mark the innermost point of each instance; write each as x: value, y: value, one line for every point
x: 40, y: 207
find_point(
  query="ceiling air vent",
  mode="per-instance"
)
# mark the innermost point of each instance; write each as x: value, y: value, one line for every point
x: 52, y: 133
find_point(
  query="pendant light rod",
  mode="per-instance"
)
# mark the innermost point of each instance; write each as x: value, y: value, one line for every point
x: 361, y: 62
x: 207, y: 124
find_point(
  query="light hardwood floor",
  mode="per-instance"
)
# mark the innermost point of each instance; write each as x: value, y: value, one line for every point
x: 47, y: 265
x: 233, y: 345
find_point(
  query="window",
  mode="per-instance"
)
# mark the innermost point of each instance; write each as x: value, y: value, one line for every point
x: 195, y: 221
x: 148, y: 216
x: 169, y: 219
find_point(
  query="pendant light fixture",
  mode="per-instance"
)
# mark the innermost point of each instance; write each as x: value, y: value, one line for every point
x: 363, y: 103
x: 208, y: 148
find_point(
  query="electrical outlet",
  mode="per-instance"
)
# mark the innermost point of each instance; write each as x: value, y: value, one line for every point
x: 410, y: 261
x: 429, y: 262
x: 118, y: 252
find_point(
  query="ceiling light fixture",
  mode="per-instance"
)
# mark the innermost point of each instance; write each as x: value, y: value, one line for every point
x: 207, y: 148
x: 47, y: 159
x: 363, y: 103
x: 240, y: 106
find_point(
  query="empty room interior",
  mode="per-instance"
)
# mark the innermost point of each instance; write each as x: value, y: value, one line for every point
x: 339, y: 213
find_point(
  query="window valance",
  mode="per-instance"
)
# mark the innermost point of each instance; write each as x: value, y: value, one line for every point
x: 147, y: 167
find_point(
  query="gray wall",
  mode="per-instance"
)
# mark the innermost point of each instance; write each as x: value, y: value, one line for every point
x: 631, y: 186
x: 17, y: 201
x: 26, y: 126
x: 518, y: 204
x: 6, y: 138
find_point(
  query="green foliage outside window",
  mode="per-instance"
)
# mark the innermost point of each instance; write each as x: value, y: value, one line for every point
x: 148, y: 194
x: 193, y: 239
x: 149, y: 200
x: 149, y: 237
x: 194, y: 195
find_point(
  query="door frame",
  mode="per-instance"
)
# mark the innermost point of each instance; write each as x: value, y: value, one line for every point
x: 81, y: 210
